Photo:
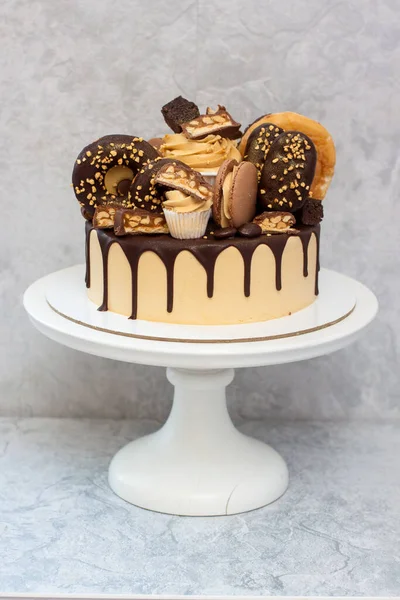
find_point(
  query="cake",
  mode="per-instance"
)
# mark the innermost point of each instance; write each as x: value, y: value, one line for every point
x: 206, y: 225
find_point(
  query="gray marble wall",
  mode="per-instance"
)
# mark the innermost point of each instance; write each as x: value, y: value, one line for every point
x: 72, y: 71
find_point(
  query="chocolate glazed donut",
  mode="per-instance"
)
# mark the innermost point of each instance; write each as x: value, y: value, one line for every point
x: 105, y: 169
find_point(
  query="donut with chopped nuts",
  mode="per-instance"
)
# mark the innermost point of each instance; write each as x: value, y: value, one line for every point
x: 259, y: 143
x: 322, y: 139
x: 104, y: 168
x: 288, y: 172
x: 144, y: 192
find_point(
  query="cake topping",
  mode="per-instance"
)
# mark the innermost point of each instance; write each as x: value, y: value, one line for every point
x: 275, y: 222
x: 235, y: 194
x: 259, y: 143
x: 250, y: 230
x: 312, y: 212
x: 225, y: 233
x: 288, y: 172
x: 179, y: 111
x: 184, y: 203
x: 136, y: 221
x: 144, y: 193
x: 104, y: 164
x: 213, y: 122
x: 156, y: 143
x: 326, y: 154
x: 183, y: 178
x: 104, y: 216
x: 205, y: 154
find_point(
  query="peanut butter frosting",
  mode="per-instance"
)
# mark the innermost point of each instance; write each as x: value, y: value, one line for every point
x: 183, y: 203
x: 203, y: 155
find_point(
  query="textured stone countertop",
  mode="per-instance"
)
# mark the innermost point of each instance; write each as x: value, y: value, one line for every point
x: 336, y: 532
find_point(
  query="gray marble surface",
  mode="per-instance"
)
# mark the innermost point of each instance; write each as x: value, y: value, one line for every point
x: 335, y: 532
x: 71, y: 71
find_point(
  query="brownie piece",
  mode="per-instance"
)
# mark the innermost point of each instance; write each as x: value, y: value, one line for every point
x: 179, y: 111
x: 312, y: 212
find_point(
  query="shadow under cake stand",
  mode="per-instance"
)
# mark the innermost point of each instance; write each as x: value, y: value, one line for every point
x: 198, y: 463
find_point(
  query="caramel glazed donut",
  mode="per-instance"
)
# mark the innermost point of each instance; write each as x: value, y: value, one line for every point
x: 104, y: 170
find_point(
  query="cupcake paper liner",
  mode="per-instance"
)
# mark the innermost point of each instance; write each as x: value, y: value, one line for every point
x: 187, y: 226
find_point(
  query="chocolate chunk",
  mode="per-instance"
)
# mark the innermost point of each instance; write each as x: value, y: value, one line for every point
x: 288, y: 172
x: 312, y: 212
x: 179, y: 111
x: 217, y: 122
x: 180, y: 177
x: 225, y: 233
x: 137, y: 221
x: 259, y: 143
x: 275, y: 221
x: 250, y: 230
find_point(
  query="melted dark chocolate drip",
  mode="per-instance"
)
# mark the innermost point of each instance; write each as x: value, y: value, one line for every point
x: 88, y: 229
x: 105, y: 245
x: 281, y: 241
x: 317, y: 232
x: 305, y: 240
x: 205, y: 251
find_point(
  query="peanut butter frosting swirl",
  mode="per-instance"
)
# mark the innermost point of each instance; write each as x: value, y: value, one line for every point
x: 183, y: 203
x: 203, y: 155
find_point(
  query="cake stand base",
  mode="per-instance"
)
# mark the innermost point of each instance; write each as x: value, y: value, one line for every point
x: 198, y: 463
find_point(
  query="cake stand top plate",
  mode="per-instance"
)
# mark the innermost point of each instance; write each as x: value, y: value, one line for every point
x: 354, y: 297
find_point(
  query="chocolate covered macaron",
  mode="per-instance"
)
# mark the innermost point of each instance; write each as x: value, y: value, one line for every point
x: 235, y: 194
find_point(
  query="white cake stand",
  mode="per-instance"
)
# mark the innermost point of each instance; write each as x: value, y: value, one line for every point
x: 198, y: 463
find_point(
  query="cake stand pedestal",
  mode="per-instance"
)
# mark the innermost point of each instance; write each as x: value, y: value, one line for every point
x: 198, y: 463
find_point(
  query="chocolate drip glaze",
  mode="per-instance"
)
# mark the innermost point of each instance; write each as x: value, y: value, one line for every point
x: 278, y: 253
x: 305, y: 240
x: 88, y: 229
x: 206, y: 251
x: 105, y: 242
x: 317, y: 232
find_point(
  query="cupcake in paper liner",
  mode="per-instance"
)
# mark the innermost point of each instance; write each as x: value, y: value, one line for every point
x: 186, y: 217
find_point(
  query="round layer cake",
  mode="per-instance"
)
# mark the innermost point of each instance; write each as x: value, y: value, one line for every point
x: 202, y: 281
x: 207, y: 225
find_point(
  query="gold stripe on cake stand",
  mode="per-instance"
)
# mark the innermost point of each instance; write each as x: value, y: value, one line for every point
x: 205, y: 341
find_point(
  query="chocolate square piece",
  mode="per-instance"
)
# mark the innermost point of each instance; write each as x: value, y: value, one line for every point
x: 179, y: 111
